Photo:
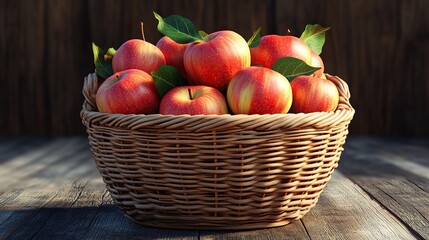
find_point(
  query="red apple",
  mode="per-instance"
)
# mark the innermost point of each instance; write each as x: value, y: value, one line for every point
x: 137, y: 54
x: 259, y: 90
x: 273, y: 47
x: 312, y: 94
x: 173, y: 53
x: 213, y: 62
x: 193, y: 100
x: 316, y: 61
x: 129, y: 91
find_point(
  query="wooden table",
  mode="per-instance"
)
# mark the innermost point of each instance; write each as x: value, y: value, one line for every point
x: 50, y: 189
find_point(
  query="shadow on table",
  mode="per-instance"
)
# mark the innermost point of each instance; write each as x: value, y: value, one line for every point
x: 387, y: 158
x: 108, y: 222
x: 104, y: 222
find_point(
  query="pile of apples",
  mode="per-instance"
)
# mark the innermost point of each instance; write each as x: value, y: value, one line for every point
x: 191, y: 72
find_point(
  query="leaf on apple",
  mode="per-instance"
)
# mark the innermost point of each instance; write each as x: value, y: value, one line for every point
x: 178, y: 28
x: 293, y: 67
x: 166, y: 78
x: 109, y: 55
x: 314, y: 37
x: 103, y: 61
x: 255, y: 39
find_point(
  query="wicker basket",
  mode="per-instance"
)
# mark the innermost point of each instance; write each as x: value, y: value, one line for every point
x: 216, y: 171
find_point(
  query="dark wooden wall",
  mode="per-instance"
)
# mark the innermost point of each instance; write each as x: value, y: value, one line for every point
x: 380, y: 47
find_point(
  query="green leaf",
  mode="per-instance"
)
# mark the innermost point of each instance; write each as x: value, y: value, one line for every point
x: 255, y: 40
x: 293, y: 67
x: 109, y: 55
x: 166, y: 78
x: 178, y: 28
x: 314, y: 37
x: 103, y: 64
x: 203, y: 34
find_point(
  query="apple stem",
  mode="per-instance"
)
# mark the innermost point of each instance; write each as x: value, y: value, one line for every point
x: 190, y: 93
x: 116, y: 79
x: 288, y: 32
x: 141, y: 26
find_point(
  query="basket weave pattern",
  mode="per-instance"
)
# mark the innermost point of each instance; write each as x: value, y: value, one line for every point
x: 216, y: 171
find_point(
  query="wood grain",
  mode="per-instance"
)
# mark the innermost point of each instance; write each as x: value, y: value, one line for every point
x: 22, y: 47
x: 381, y: 48
x: 19, y: 208
x: 77, y: 211
x: 407, y: 201
x: 375, y: 159
x: 348, y: 212
x: 49, y: 193
x: 395, y: 174
x: 36, y: 162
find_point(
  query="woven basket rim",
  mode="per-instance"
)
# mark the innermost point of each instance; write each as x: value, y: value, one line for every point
x: 213, y: 116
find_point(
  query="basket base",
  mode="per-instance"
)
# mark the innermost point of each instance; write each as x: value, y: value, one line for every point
x: 212, y: 226
x: 208, y: 227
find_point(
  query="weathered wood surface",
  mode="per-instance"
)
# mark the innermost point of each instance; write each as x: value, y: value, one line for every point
x: 50, y: 189
x: 396, y: 174
x: 381, y: 48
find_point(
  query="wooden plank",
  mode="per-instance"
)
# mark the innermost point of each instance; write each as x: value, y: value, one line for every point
x: 111, y: 223
x: 407, y: 201
x: 20, y: 209
x: 6, y: 198
x: 74, y: 212
x: 12, y: 151
x: 408, y: 153
x: 107, y: 222
x: 71, y: 220
x: 27, y: 211
x: 345, y: 211
x: 372, y: 160
x: 22, y: 97
x: 421, y: 183
x: 77, y: 164
x: 68, y: 38
x: 28, y: 153
x: 395, y: 174
x: 29, y: 222
x: 8, y: 144
x: 32, y: 164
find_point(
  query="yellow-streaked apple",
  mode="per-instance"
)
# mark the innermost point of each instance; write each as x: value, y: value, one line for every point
x: 259, y: 90
x: 312, y: 94
x: 316, y: 61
